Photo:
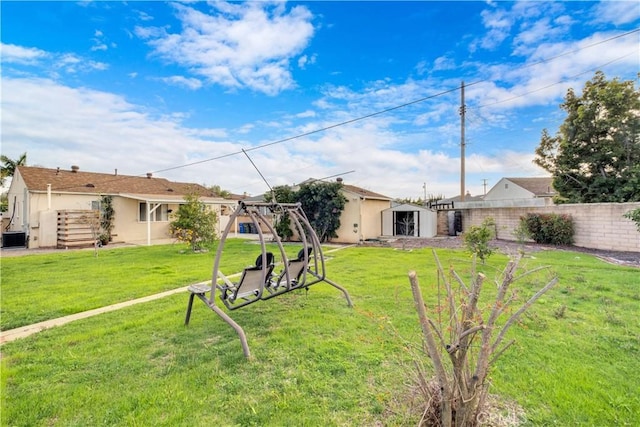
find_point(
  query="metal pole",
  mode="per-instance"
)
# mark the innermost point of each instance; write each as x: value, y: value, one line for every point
x: 462, y: 142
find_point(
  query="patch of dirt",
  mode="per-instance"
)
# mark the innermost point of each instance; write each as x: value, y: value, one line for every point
x: 455, y: 242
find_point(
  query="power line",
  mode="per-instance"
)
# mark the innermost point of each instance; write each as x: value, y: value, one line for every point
x: 557, y: 83
x: 544, y: 60
x: 302, y: 135
x: 387, y: 110
x: 377, y: 113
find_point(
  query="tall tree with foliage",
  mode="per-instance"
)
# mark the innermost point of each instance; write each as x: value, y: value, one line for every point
x: 225, y: 194
x: 194, y: 223
x: 595, y: 156
x: 282, y: 194
x: 9, y: 166
x: 323, y: 203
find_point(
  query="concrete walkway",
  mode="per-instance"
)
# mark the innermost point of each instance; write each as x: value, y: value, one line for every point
x: 25, y: 331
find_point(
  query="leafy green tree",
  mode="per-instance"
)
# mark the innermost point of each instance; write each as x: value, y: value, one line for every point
x: 477, y: 238
x: 634, y: 216
x: 323, y: 202
x: 194, y: 223
x: 419, y: 201
x: 595, y: 156
x: 219, y: 191
x: 9, y: 166
x: 282, y: 194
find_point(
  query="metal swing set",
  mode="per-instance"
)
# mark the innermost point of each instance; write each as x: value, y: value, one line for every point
x: 259, y: 282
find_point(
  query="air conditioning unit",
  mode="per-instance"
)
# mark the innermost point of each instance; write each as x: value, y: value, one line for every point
x: 14, y: 239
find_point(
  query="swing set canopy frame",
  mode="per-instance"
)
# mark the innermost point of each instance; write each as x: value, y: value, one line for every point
x: 258, y: 282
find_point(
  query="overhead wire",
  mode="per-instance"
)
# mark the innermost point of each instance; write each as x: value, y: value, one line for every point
x: 322, y: 129
x: 557, y: 83
x: 377, y: 113
x: 472, y: 109
x: 387, y: 110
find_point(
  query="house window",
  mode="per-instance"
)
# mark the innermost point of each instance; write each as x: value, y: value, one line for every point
x: 506, y: 186
x: 161, y: 213
x: 95, y: 205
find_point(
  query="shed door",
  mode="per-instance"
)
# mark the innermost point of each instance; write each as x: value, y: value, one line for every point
x: 404, y: 223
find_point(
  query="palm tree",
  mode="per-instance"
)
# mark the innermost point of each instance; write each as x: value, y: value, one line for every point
x: 9, y: 166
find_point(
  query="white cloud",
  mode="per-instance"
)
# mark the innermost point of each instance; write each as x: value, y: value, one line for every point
x: 67, y: 62
x: 305, y: 114
x: 208, y: 133
x: 237, y: 45
x: 144, y: 16
x: 498, y: 22
x: 13, y: 54
x: 616, y: 12
x: 537, y: 32
x: 99, y: 46
x: 71, y: 63
x: 522, y: 23
x: 99, y: 42
x: 443, y: 63
x: 244, y: 129
x: 189, y: 83
x: 305, y: 60
x: 101, y: 132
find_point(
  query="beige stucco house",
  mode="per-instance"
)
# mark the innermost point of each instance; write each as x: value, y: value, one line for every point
x: 361, y: 218
x: 42, y: 200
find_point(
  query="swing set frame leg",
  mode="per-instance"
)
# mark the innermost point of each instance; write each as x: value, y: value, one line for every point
x: 340, y: 288
x: 235, y: 326
x: 225, y: 317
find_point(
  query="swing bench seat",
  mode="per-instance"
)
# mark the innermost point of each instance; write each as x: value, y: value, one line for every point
x: 251, y: 284
x: 298, y: 269
x: 248, y: 288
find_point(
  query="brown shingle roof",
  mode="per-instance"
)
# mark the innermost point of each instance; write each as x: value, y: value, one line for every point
x: 36, y: 179
x: 353, y: 189
x: 538, y: 186
x: 364, y: 193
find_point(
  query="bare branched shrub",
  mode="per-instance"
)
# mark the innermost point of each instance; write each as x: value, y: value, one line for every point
x: 92, y: 219
x: 465, y: 344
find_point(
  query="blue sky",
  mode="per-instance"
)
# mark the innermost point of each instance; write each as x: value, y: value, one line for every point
x: 307, y: 89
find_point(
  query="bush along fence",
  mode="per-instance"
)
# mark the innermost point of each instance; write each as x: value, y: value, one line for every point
x: 595, y: 225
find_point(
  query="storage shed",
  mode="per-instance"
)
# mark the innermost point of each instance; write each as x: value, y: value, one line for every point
x: 409, y: 220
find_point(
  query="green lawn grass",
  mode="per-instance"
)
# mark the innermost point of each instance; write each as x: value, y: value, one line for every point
x: 42, y: 287
x: 316, y: 361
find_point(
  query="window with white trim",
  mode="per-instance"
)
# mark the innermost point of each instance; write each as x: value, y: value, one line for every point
x: 161, y: 213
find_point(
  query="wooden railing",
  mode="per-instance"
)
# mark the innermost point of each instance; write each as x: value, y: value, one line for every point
x: 78, y: 228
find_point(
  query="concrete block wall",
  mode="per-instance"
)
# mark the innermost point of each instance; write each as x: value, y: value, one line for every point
x: 596, y: 225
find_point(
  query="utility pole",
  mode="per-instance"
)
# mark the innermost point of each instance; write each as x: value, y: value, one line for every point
x: 484, y: 186
x: 462, y: 143
x: 424, y: 187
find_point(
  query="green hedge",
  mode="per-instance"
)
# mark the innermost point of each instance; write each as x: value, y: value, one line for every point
x: 551, y: 228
